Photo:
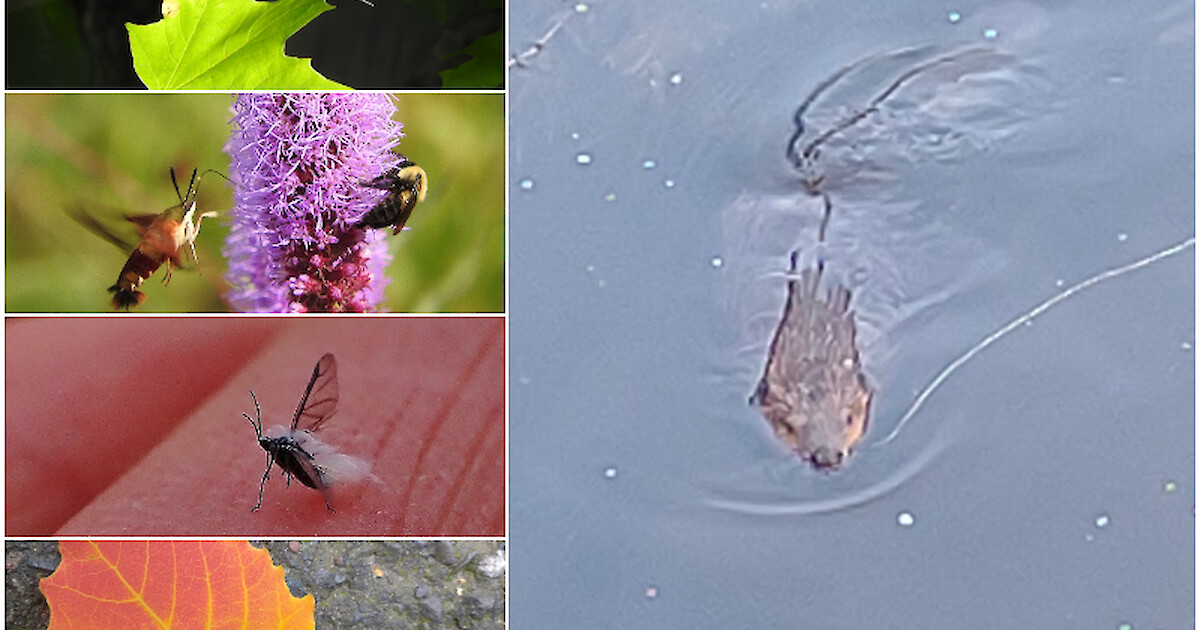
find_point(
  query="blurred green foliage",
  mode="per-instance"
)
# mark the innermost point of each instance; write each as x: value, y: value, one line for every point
x: 481, y: 68
x: 109, y: 154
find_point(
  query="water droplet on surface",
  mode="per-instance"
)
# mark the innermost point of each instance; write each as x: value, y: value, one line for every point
x: 526, y: 184
x: 1186, y: 345
x: 991, y: 33
x: 1122, y: 237
x: 717, y: 261
x: 581, y: 7
x: 1169, y: 486
x: 1102, y: 521
x: 676, y: 78
x: 651, y: 592
x: 610, y: 473
x: 610, y: 197
x: 670, y: 183
x: 906, y: 519
x: 583, y: 158
x: 954, y: 16
x: 575, y: 136
x: 649, y: 164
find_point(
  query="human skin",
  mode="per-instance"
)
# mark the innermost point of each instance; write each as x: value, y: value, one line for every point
x: 149, y: 440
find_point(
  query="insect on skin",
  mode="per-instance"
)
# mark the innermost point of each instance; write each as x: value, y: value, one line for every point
x: 406, y: 184
x: 295, y: 449
x: 161, y: 235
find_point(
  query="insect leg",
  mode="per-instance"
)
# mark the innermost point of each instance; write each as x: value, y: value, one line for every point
x: 270, y: 461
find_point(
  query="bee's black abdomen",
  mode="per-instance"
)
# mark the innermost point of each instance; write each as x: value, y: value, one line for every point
x: 406, y: 184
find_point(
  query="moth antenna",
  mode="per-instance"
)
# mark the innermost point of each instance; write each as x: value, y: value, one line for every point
x: 175, y: 183
x: 257, y: 425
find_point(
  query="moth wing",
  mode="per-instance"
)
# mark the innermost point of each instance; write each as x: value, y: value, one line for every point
x: 320, y: 398
x: 142, y: 222
x: 101, y: 230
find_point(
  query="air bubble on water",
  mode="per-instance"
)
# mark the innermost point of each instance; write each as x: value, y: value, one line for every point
x: 1185, y: 345
x: 1102, y: 521
x: 575, y: 135
x: 649, y: 164
x: 610, y: 472
x: 583, y: 158
x: 906, y: 519
x: 1169, y: 486
x: 670, y: 183
x: 991, y: 33
x: 676, y: 78
x: 610, y: 197
x: 582, y: 7
x: 717, y: 261
x: 526, y: 184
x: 1122, y: 237
x: 954, y: 16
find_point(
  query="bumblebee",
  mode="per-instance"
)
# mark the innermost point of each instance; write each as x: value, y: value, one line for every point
x: 406, y: 184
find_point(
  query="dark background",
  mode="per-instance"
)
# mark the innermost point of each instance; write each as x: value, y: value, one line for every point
x: 83, y: 44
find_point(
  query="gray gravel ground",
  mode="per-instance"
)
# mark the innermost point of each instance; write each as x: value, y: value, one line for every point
x: 357, y: 584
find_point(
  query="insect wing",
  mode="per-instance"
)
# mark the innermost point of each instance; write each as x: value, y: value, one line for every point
x: 320, y: 398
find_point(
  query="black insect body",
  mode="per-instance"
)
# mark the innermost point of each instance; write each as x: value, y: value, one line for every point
x: 296, y: 450
x: 406, y: 184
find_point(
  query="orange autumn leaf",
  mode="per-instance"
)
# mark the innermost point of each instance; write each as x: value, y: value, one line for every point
x: 181, y: 585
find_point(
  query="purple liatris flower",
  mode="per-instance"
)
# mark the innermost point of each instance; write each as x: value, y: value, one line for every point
x: 299, y: 161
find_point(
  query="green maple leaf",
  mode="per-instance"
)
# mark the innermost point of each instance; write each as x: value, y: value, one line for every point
x: 485, y: 68
x: 226, y: 44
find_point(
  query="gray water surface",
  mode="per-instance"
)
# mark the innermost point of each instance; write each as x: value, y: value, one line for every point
x: 1047, y: 483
